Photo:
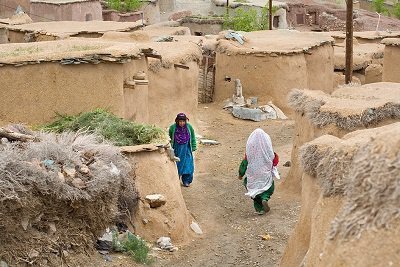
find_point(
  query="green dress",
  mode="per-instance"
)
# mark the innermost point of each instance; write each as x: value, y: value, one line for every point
x: 260, y: 197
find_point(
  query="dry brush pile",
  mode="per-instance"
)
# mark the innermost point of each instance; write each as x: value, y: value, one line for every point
x: 58, y: 193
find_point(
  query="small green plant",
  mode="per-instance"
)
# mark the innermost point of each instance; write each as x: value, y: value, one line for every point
x: 396, y: 10
x: 248, y: 20
x: 124, y: 5
x: 134, y: 247
x: 242, y: 20
x: 131, y: 5
x: 119, y: 131
x: 379, y: 6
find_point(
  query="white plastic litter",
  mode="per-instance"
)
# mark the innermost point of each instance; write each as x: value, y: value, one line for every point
x: 196, y: 228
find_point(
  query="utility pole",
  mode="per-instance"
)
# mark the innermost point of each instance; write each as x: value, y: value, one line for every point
x: 349, y: 42
x: 270, y: 14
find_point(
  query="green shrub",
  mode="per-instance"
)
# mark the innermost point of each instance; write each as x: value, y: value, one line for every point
x: 396, y: 10
x: 119, y: 131
x: 379, y: 6
x: 124, y: 5
x: 133, y: 246
x: 248, y: 20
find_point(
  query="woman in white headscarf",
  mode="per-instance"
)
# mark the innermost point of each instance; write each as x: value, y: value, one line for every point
x: 258, y: 168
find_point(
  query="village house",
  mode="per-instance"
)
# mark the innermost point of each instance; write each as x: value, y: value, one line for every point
x: 69, y: 77
x: 271, y: 63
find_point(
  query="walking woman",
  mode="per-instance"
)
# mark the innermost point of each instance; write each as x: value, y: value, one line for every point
x: 183, y: 141
x: 259, y: 169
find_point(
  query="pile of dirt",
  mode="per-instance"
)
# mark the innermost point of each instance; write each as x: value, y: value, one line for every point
x: 347, y: 109
x: 58, y: 193
x: 355, y: 201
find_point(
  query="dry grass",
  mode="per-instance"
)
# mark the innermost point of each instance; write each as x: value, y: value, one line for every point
x: 34, y: 196
x: 364, y: 169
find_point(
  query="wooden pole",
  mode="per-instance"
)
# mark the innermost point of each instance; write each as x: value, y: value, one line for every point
x: 270, y: 14
x: 349, y: 42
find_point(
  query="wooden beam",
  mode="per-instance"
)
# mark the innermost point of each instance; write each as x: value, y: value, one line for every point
x: 14, y: 136
x: 270, y: 14
x: 349, y: 42
x: 181, y: 66
x: 153, y: 55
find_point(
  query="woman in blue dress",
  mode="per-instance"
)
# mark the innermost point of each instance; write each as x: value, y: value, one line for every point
x: 183, y: 141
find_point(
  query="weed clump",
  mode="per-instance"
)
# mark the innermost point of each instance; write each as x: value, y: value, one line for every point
x: 133, y: 246
x: 101, y: 122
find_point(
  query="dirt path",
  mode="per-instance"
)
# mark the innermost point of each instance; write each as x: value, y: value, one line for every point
x: 217, y: 201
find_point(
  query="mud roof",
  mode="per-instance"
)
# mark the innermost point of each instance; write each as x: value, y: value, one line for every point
x: 257, y: 3
x: 283, y: 42
x: 174, y: 52
x: 67, y: 52
x: 61, y: 2
x: 349, y: 107
x: 391, y: 41
x: 373, y: 35
x: 70, y: 28
x: 363, y: 55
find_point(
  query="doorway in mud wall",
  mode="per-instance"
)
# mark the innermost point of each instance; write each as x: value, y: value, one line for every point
x: 275, y: 22
x: 207, y: 78
x: 313, y: 18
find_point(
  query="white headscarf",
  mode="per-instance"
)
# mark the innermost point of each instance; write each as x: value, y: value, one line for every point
x: 260, y: 155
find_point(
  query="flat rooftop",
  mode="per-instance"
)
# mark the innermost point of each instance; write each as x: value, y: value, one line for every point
x: 391, y: 41
x: 58, y: 28
x: 277, y: 41
x: 62, y: 2
x: 67, y: 52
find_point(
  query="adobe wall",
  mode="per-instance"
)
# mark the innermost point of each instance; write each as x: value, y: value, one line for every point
x: 204, y: 28
x: 167, y: 5
x: 391, y: 66
x: 81, y: 11
x: 46, y: 88
x: 173, y: 90
x: 271, y: 76
x: 3, y: 35
x: 155, y: 173
x: 151, y: 12
x: 7, y: 12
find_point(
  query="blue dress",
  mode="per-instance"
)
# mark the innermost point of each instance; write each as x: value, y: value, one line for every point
x: 186, y: 164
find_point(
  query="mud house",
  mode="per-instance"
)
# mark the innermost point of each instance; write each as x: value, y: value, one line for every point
x: 66, y: 10
x: 8, y: 7
x: 48, y: 31
x: 346, y: 210
x: 335, y: 127
x: 173, y: 75
x: 203, y: 25
x: 347, y: 109
x: 55, y: 10
x: 367, y: 61
x: 299, y: 14
x: 271, y: 63
x: 69, y: 77
x: 391, y: 66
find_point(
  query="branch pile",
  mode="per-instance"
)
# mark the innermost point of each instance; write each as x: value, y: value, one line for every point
x: 58, y: 193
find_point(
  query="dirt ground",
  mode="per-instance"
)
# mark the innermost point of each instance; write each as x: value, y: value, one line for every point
x: 216, y: 199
